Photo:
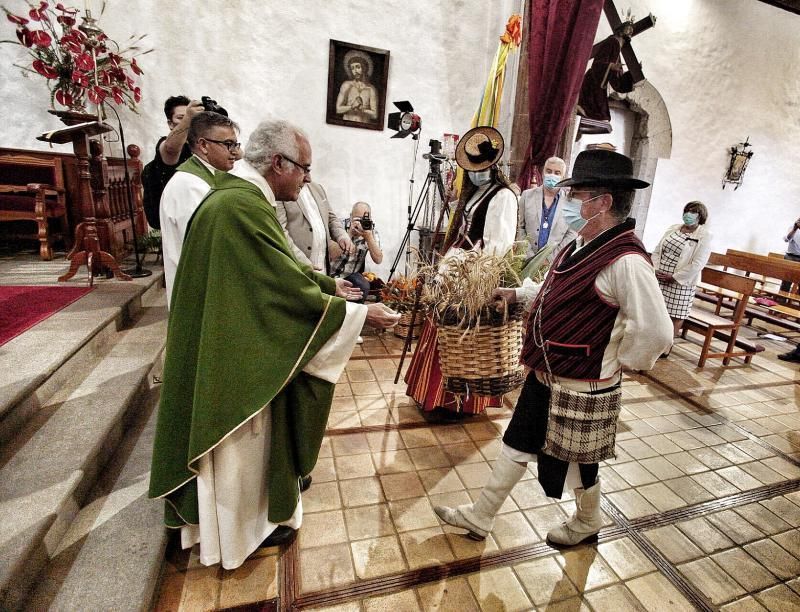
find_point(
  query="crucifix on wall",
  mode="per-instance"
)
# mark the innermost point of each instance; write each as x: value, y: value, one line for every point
x: 607, y: 70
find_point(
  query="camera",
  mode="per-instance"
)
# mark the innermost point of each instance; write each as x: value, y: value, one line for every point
x: 366, y: 222
x: 212, y: 106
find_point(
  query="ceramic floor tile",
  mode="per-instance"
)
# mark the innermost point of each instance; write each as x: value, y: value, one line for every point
x: 689, y: 490
x: 739, y: 477
x: 545, y: 518
x: 656, y: 593
x: 382, y: 441
x: 414, y: 513
x: 462, y: 453
x: 467, y: 548
x: 661, y: 496
x: 735, y: 527
x: 325, y: 567
x: 255, y: 580
x: 361, y: 491
x: 349, y: 444
x: 779, y: 598
x: 712, y: 581
x: 545, y: 581
x: 404, y: 600
x: 377, y: 557
x: 790, y: 540
x: 615, y: 597
x: 631, y: 503
x: 625, y: 558
x: 705, y: 535
x: 452, y: 434
x: 321, y: 496
x: 413, y: 438
x: 586, y: 569
x: 675, y: 546
x: 452, y: 594
x: 781, y: 506
x: 498, y: 589
x: 732, y: 453
x: 323, y: 529
x: 402, y: 486
x: 715, y: 484
x: 763, y: 518
x: 392, y: 462
x: 780, y: 465
x: 688, y: 463
x: 512, y: 529
x: 685, y: 440
x: 745, y: 569
x: 482, y: 430
x: 324, y: 470
x: 529, y: 494
x: 201, y: 588
x: 474, y: 475
x: 762, y: 472
x: 710, y: 458
x: 429, y: 457
x: 634, y: 473
x: 371, y: 418
x: 371, y: 402
x: 661, y: 444
x: 775, y: 558
x: 367, y: 522
x: 354, y: 466
x: 440, y: 481
x: 745, y: 604
x: 426, y: 548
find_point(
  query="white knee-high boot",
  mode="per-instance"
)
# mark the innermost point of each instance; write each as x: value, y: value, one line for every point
x: 584, y: 524
x: 478, y: 518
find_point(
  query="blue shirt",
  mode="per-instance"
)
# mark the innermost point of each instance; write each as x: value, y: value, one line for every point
x: 547, y: 216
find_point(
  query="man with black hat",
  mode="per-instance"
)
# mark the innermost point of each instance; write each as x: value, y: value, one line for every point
x: 598, y: 310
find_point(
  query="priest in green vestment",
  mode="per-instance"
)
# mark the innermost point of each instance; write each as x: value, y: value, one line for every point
x: 255, y: 344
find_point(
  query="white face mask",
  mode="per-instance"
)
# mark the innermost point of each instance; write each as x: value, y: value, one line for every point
x: 480, y: 178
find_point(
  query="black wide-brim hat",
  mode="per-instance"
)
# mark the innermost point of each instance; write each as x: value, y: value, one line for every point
x: 480, y: 148
x: 603, y: 168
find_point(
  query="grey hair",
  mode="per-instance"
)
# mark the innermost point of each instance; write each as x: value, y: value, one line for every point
x: 559, y: 161
x: 272, y: 137
x: 202, y: 123
x: 369, y: 208
x: 622, y: 203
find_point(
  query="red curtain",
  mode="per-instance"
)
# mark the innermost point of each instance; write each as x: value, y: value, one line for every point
x: 561, y: 34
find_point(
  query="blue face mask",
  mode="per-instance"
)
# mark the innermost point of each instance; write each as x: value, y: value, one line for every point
x: 690, y: 219
x: 571, y: 210
x: 480, y: 178
x: 551, y: 180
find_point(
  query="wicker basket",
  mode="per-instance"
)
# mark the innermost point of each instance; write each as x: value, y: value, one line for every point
x: 401, y: 329
x: 482, y: 362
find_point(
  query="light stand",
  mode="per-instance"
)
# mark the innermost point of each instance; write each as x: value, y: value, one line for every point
x: 432, y: 181
x: 138, y: 271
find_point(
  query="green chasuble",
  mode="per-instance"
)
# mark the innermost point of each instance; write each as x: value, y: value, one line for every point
x: 246, y: 318
x: 193, y: 165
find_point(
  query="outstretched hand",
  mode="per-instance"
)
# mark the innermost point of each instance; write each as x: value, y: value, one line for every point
x: 345, y: 289
x: 381, y: 316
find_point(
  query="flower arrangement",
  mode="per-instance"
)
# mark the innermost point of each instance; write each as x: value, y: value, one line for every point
x: 399, y: 293
x: 79, y: 62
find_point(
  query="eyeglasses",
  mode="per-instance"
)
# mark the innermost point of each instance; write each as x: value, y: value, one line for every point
x: 228, y: 144
x: 306, y: 169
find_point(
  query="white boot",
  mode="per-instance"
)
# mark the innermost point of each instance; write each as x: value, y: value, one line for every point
x: 584, y: 524
x: 478, y: 518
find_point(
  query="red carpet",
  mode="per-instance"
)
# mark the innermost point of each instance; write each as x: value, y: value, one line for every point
x: 22, y: 307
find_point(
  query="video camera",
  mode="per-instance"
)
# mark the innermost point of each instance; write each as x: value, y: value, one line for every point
x: 212, y: 106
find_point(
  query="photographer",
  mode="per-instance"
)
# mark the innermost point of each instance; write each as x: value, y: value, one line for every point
x: 362, y: 232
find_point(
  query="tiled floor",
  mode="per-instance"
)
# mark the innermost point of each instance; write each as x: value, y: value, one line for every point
x: 702, y: 505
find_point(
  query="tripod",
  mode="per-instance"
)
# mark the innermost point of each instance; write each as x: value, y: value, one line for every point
x: 433, y: 185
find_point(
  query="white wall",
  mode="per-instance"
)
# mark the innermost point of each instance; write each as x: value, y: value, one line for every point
x: 256, y: 57
x: 727, y: 69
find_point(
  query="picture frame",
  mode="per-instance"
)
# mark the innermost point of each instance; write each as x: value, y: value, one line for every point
x: 357, y: 78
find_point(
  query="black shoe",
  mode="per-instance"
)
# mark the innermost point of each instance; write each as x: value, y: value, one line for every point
x: 793, y: 356
x: 281, y: 535
x: 305, y: 482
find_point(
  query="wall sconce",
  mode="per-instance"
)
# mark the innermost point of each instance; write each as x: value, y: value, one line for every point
x: 740, y: 157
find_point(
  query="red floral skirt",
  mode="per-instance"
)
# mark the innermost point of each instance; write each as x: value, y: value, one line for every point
x: 424, y: 379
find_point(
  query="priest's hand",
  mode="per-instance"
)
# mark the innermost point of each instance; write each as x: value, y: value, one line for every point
x: 381, y: 316
x: 345, y: 289
x: 503, y: 294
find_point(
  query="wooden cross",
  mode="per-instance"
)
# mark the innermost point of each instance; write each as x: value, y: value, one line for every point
x: 634, y: 67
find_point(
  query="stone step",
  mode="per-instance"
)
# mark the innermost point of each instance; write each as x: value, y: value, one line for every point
x: 37, y: 363
x: 52, y: 463
x: 111, y: 556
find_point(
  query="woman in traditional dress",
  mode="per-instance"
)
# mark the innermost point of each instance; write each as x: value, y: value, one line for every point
x: 485, y: 218
x: 679, y: 258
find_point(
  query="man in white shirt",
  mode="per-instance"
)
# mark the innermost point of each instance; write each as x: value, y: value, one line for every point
x: 212, y: 138
x: 599, y: 310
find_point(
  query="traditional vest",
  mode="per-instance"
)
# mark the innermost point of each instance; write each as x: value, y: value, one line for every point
x: 569, y: 319
x: 475, y: 219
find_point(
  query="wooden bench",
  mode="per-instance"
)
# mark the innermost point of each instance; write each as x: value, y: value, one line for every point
x: 714, y: 326
x: 32, y: 190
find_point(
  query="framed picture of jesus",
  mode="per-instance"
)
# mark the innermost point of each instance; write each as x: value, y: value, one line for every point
x: 357, y: 77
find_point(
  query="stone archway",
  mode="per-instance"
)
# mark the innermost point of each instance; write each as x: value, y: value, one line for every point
x: 652, y: 140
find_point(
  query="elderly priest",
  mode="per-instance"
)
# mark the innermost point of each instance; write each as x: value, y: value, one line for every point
x: 256, y: 342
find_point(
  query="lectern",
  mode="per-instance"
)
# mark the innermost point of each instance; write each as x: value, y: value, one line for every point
x: 80, y: 127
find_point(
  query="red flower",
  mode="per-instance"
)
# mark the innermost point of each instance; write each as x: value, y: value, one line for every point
x: 135, y: 66
x: 80, y: 78
x: 39, y: 14
x: 64, y: 9
x: 71, y: 44
x: 64, y: 98
x: 116, y: 93
x: 66, y: 20
x: 24, y: 36
x: 16, y: 19
x: 40, y: 38
x: 45, y: 69
x: 84, y: 61
x: 97, y: 95
x: 137, y: 94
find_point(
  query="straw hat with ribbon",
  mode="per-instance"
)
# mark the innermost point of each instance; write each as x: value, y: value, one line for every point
x: 480, y: 148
